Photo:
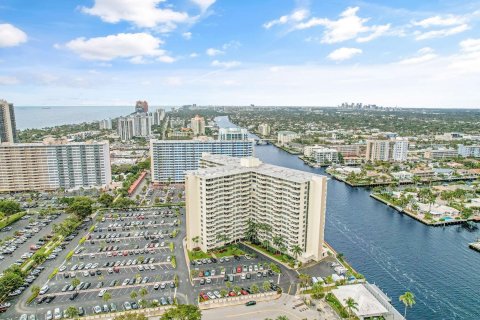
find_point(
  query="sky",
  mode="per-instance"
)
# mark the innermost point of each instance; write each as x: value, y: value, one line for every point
x: 226, y: 52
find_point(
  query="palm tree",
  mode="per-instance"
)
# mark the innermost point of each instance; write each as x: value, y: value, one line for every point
x: 196, y: 240
x: 143, y: 292
x: 75, y: 282
x: 72, y: 312
x: 266, y: 244
x: 254, y: 288
x: 304, y: 279
x: 278, y: 242
x: 296, y: 251
x: 408, y: 300
x: 252, y: 229
x: 351, y: 305
x: 133, y: 295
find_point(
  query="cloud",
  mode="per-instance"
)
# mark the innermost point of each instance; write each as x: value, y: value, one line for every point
x: 225, y: 64
x: 441, y: 33
x: 11, y: 36
x: 193, y: 55
x: 423, y: 55
x: 8, y: 81
x: 145, y: 13
x: 214, y: 52
x: 204, y: 4
x: 436, y: 21
x: 187, y: 35
x: 136, y: 46
x: 344, y: 54
x: 296, y: 16
x: 348, y: 26
x: 468, y: 60
x: 470, y: 45
x: 441, y: 26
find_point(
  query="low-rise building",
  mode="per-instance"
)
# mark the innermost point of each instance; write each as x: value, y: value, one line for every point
x: 469, y: 151
x: 285, y: 137
x: 323, y: 155
x: 439, y: 154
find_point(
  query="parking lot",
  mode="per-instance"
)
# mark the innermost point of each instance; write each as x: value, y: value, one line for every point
x: 26, y: 236
x: 127, y: 262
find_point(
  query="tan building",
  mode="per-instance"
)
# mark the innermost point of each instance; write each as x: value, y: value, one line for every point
x: 285, y: 137
x: 228, y: 194
x: 54, y: 164
x: 198, y: 125
x: 264, y: 129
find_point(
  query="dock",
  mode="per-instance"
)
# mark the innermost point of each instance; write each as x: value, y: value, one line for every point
x: 475, y: 245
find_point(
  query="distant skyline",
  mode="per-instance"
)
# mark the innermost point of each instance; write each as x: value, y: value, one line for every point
x: 270, y: 52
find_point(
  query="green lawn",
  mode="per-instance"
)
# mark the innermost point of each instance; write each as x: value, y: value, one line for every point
x: 278, y: 257
x: 194, y: 255
x: 228, y: 251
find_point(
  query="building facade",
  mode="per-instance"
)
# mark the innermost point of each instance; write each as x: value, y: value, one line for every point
x: 285, y: 137
x: 136, y: 125
x: 172, y: 158
x: 54, y: 164
x: 323, y: 155
x: 125, y: 128
x: 228, y: 134
x: 228, y: 196
x: 387, y: 150
x: 141, y: 106
x: 105, y: 124
x: 438, y: 154
x: 158, y: 116
x: 8, y: 127
x: 198, y: 125
x: 264, y: 129
x: 469, y: 151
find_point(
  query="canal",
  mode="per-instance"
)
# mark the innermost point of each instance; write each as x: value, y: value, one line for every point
x: 394, y: 251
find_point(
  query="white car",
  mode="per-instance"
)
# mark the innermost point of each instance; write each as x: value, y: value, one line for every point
x: 44, y: 289
x: 102, y: 292
x: 62, y: 268
x: 57, y: 314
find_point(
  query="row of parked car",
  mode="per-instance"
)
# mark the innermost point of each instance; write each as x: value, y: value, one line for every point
x: 31, y: 276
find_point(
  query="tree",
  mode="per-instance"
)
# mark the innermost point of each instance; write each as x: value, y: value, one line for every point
x: 196, y: 240
x: 236, y: 289
x: 282, y: 318
x: 75, y: 282
x: 252, y: 229
x: 266, y: 286
x: 131, y: 316
x: 277, y: 242
x: 35, y: 290
x: 105, y: 199
x: 296, y: 251
x: 305, y: 279
x: 183, y: 312
x: 133, y: 295
x: 9, y: 207
x: 72, y: 312
x: 81, y: 207
x: 408, y: 300
x: 107, y: 296
x: 317, y: 291
x: 143, y: 292
x: 223, y: 293
x: 351, y: 305
x: 255, y: 288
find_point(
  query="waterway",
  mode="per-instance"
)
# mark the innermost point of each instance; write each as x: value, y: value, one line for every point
x: 394, y: 251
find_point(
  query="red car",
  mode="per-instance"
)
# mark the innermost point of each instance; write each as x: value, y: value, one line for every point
x: 200, y: 274
x: 204, y: 296
x: 239, y: 269
x: 125, y: 253
x: 114, y: 253
x: 243, y: 292
x: 232, y: 294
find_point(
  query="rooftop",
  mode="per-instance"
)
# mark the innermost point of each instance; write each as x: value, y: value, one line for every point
x: 231, y: 165
x: 368, y: 305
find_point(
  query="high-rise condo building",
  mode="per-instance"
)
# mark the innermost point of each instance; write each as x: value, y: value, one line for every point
x: 171, y: 158
x: 227, y: 198
x: 141, y: 106
x: 264, y: 129
x: 198, y: 125
x: 232, y: 134
x: 8, y: 127
x: 136, y: 125
x: 105, y: 124
x: 158, y: 116
x: 54, y: 164
x: 399, y: 149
